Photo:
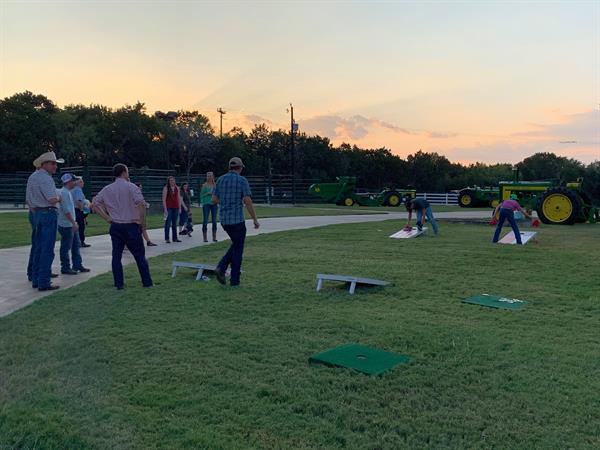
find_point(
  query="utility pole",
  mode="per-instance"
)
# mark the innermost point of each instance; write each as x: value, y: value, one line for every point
x: 293, y: 155
x: 221, y: 112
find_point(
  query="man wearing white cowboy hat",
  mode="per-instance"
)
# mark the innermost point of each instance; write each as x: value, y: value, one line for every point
x: 42, y: 198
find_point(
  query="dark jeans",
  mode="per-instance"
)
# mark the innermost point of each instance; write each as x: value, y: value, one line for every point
x: 507, y: 214
x: 183, y: 217
x: 130, y: 235
x: 429, y: 214
x: 171, y: 222
x: 206, y: 211
x: 32, y: 251
x: 69, y: 242
x: 44, y: 238
x: 237, y: 233
x: 80, y: 219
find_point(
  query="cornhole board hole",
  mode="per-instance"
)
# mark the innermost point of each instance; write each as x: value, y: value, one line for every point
x: 354, y: 281
x: 367, y: 360
x: 526, y: 236
x: 201, y: 268
x: 403, y: 234
x: 492, y: 301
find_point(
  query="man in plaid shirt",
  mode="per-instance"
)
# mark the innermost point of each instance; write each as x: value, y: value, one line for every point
x: 232, y: 193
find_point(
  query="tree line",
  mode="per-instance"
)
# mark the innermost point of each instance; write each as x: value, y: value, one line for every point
x: 186, y: 142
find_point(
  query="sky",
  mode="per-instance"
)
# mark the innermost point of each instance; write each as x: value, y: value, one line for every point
x: 475, y: 81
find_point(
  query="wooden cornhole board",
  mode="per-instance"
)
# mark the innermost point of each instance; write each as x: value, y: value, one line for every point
x: 198, y: 266
x: 348, y: 279
x: 403, y: 234
x: 526, y: 236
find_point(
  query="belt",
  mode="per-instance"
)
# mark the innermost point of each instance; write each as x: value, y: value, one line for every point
x: 47, y: 208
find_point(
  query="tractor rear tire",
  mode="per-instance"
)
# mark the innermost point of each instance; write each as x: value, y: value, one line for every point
x: 392, y: 198
x: 348, y: 201
x: 466, y: 199
x: 559, y: 206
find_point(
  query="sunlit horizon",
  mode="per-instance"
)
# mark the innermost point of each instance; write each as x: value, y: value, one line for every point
x: 492, y: 82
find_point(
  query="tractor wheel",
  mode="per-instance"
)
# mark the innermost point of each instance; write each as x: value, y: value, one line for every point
x: 348, y: 201
x: 559, y: 206
x: 466, y: 199
x: 392, y: 198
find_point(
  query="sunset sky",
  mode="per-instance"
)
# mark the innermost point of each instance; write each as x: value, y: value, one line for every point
x: 475, y: 81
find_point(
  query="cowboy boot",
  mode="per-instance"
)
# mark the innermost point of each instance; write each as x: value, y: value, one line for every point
x: 204, y: 235
x: 214, y: 235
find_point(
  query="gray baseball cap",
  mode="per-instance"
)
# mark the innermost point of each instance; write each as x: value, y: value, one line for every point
x: 236, y: 162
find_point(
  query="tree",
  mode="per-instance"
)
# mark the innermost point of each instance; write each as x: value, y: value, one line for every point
x: 544, y: 166
x: 194, y: 140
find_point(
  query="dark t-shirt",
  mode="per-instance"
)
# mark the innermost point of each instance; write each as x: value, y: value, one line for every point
x: 420, y: 203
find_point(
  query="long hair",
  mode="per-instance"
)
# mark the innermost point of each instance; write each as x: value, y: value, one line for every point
x: 170, y: 190
x: 206, y: 183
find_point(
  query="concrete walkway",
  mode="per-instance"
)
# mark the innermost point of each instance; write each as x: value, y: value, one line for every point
x: 17, y: 292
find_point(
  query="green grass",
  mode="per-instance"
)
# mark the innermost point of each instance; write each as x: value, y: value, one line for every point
x: 197, y: 365
x: 20, y: 231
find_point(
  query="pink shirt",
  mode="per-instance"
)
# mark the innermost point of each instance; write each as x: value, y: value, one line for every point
x: 121, y: 200
x: 510, y: 204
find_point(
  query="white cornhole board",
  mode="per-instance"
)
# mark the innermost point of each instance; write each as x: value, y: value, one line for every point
x: 201, y: 268
x: 526, y: 236
x: 403, y: 234
x: 349, y: 279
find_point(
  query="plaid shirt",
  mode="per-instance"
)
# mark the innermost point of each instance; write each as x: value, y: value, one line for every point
x: 231, y: 189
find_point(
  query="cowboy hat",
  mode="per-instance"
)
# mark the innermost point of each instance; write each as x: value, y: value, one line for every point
x: 48, y: 156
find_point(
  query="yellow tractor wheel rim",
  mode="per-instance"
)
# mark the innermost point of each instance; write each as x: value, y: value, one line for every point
x: 495, y: 203
x: 348, y: 202
x: 394, y: 200
x: 557, y: 207
x: 465, y: 199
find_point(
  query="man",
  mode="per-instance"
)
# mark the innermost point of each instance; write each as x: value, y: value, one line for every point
x: 68, y: 229
x: 423, y: 209
x: 42, y: 199
x: 79, y: 201
x: 232, y: 193
x: 122, y: 205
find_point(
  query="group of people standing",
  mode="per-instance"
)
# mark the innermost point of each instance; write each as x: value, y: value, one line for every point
x: 52, y: 210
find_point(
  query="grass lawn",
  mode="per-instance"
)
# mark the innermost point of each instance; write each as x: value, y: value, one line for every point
x: 20, y: 231
x: 358, y: 209
x: 197, y: 365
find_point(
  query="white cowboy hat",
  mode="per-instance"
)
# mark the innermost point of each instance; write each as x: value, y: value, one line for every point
x: 48, y: 156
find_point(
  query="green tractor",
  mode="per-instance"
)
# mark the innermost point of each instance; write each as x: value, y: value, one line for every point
x: 554, y: 203
x: 344, y: 193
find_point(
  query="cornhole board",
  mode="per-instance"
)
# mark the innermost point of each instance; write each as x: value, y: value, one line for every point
x: 367, y: 360
x: 413, y: 233
x: 526, y: 236
x: 493, y: 301
x: 201, y: 268
x: 347, y: 279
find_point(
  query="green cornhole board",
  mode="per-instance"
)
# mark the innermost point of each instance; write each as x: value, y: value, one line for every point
x: 493, y: 301
x: 370, y: 361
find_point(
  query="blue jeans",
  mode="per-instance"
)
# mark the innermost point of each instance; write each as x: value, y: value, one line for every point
x: 206, y: 211
x: 32, y: 251
x: 130, y: 235
x: 183, y: 217
x: 69, y: 242
x: 44, y: 238
x: 429, y: 214
x: 507, y: 214
x: 171, y: 222
x: 237, y: 233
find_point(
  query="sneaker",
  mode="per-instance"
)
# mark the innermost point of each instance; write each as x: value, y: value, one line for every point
x: 68, y: 272
x: 220, y: 276
x: 83, y: 269
x: 151, y: 244
x: 85, y: 245
x: 49, y: 288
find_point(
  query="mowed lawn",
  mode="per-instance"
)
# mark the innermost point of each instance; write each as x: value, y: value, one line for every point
x: 197, y: 365
x: 17, y: 230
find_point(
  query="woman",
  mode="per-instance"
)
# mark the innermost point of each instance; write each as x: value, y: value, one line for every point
x: 171, y: 205
x: 206, y: 193
x: 149, y: 243
x: 507, y: 212
x: 186, y: 207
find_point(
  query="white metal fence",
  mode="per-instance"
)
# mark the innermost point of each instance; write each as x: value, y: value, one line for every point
x: 448, y: 198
